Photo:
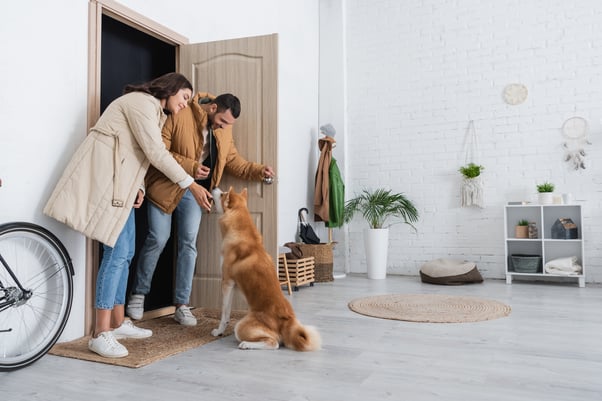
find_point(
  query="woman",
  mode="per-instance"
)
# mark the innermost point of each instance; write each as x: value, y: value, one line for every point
x: 103, y: 183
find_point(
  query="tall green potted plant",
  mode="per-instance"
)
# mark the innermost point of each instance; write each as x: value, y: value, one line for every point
x: 376, y: 207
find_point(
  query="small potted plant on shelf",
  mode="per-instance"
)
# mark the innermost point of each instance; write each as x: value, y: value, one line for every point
x: 522, y: 229
x: 545, y: 193
x: 376, y: 207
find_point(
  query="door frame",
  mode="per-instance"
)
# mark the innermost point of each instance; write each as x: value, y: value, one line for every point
x: 96, y: 9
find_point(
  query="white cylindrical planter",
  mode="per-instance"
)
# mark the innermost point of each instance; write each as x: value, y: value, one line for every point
x: 545, y: 198
x: 376, y: 241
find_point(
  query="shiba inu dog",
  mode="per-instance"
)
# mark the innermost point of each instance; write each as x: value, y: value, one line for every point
x: 270, y: 320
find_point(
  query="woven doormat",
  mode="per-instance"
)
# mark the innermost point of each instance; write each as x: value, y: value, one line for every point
x: 430, y: 308
x: 169, y: 338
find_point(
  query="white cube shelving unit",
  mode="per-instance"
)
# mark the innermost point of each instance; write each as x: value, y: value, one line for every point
x: 545, y: 246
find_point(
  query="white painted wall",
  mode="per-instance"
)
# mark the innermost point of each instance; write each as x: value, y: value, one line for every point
x: 43, y: 76
x: 333, y: 107
x: 419, y: 71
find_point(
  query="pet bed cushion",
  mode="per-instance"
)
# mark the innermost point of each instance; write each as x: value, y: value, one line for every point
x: 450, y: 272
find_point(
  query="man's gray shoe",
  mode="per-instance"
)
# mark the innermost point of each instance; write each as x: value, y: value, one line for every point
x: 135, y: 307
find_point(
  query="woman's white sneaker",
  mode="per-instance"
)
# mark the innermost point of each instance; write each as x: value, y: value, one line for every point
x: 106, y: 345
x: 128, y: 330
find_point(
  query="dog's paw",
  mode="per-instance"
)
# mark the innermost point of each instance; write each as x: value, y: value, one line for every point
x: 257, y: 345
x: 216, y: 332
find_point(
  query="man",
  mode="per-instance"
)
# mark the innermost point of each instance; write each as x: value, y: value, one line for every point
x: 200, y: 139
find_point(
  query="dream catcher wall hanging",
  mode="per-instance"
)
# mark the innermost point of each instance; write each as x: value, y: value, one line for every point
x: 574, y: 131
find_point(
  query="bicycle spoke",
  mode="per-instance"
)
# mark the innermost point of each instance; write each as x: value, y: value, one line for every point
x: 42, y: 277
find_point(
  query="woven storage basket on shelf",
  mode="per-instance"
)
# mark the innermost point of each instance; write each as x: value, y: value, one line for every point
x: 322, y: 254
x: 526, y: 263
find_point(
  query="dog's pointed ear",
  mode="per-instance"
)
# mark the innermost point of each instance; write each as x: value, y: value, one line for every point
x: 244, y: 193
x: 226, y: 201
x: 231, y: 189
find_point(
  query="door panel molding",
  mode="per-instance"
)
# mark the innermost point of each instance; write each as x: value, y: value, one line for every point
x: 247, y: 68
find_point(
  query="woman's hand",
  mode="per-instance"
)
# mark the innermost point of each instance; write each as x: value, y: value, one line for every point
x: 139, y: 199
x: 201, y: 195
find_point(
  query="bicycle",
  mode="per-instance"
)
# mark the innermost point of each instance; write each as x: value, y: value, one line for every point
x: 36, y: 292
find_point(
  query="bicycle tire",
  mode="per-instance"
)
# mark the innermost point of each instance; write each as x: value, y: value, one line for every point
x: 42, y: 264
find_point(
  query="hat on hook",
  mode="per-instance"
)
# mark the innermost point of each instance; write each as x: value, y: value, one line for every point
x: 328, y: 130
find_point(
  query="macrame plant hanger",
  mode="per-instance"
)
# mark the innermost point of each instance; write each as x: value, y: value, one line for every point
x: 472, y: 188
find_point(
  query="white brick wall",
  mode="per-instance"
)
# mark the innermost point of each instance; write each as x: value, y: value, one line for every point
x: 418, y: 71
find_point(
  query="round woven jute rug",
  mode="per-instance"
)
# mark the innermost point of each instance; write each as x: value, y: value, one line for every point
x: 430, y: 308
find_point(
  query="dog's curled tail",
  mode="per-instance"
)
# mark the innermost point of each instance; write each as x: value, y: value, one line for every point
x: 302, y: 338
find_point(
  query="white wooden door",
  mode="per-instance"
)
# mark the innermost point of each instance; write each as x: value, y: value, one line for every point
x: 247, y: 68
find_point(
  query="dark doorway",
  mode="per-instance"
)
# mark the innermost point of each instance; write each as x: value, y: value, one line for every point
x: 130, y: 56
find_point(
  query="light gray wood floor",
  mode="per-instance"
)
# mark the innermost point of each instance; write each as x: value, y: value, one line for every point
x: 549, y: 348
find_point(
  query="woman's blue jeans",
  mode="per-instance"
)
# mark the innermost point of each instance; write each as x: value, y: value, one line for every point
x: 188, y: 215
x: 112, y: 278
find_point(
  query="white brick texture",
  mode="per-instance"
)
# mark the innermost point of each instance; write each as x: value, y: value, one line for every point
x: 419, y: 71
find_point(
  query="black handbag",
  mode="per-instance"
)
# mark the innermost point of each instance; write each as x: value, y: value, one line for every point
x: 306, y: 233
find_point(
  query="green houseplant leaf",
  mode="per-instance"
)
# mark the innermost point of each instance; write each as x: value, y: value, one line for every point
x: 545, y: 187
x: 471, y: 170
x: 379, y: 205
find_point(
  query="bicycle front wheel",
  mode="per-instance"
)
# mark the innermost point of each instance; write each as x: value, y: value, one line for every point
x: 30, y: 326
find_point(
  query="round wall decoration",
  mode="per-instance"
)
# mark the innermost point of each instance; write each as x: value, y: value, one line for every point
x: 575, y: 130
x: 515, y: 94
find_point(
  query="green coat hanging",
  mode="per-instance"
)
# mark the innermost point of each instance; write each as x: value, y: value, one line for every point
x: 337, y: 196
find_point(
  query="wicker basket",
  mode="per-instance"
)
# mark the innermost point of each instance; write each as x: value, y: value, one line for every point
x: 323, y: 258
x: 526, y: 263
